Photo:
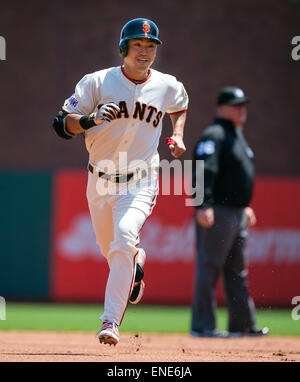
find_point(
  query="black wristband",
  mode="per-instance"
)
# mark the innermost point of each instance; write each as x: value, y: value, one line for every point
x: 87, y: 121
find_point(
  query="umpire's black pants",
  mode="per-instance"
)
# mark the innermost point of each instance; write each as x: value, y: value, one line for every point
x: 221, y: 249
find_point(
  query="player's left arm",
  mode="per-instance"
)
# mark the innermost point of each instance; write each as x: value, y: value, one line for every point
x: 178, y: 122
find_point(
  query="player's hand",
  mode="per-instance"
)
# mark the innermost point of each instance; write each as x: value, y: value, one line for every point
x: 176, y: 146
x: 107, y: 112
x: 250, y: 216
x: 205, y: 217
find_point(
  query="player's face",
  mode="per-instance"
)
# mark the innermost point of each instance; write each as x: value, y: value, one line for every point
x: 141, y: 54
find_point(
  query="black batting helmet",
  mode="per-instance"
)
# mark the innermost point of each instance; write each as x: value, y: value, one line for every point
x: 138, y: 28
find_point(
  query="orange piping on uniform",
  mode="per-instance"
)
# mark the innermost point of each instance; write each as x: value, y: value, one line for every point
x: 176, y: 112
x: 132, y: 280
x: 131, y: 80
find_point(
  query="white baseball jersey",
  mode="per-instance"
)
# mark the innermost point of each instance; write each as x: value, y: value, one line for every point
x: 138, y: 127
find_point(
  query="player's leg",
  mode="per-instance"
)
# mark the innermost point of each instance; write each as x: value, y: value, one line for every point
x: 130, y: 211
x: 101, y: 216
x: 129, y: 214
x: 240, y: 304
x: 122, y: 257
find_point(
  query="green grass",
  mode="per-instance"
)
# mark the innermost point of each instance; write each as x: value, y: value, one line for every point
x: 140, y: 318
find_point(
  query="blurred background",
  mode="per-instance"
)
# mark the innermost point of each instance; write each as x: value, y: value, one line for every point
x: 47, y: 246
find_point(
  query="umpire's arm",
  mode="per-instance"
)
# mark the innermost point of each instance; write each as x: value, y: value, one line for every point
x: 208, y: 150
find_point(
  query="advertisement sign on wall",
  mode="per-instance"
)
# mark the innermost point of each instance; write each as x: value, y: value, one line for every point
x: 79, y: 271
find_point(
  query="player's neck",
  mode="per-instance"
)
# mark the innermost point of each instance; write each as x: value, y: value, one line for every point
x: 136, y: 76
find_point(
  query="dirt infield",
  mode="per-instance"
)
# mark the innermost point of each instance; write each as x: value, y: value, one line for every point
x: 73, y: 347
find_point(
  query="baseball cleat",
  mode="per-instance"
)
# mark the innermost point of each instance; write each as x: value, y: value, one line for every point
x: 137, y: 292
x: 138, y: 286
x: 109, y: 334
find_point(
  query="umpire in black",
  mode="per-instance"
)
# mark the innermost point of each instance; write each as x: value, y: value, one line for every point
x: 222, y: 220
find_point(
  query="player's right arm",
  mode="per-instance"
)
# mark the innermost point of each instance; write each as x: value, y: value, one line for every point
x: 67, y: 125
x: 77, y: 124
x: 72, y: 124
x: 78, y: 115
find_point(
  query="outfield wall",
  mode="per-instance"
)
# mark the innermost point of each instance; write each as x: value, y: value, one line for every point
x: 48, y: 248
x: 79, y: 271
x: 25, y: 228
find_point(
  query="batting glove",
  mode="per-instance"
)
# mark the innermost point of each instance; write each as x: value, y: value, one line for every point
x: 107, y: 112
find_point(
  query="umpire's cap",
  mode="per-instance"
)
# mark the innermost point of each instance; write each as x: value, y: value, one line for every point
x: 138, y: 28
x: 231, y: 95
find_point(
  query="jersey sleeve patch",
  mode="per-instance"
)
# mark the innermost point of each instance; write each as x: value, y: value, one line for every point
x: 249, y: 152
x: 82, y: 101
x: 206, y: 148
x: 72, y: 101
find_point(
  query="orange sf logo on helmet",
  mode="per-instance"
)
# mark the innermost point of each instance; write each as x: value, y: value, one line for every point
x: 146, y: 28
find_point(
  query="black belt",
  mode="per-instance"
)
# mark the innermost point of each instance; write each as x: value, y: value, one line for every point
x: 116, y: 178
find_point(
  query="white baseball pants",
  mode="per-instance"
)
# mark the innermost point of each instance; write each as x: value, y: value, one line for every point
x: 117, y: 221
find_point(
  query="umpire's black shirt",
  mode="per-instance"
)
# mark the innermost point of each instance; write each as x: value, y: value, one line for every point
x: 228, y: 165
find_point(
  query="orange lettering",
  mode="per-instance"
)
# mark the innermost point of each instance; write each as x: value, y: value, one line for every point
x: 146, y: 28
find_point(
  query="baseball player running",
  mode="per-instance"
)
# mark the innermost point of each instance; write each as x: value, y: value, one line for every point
x: 120, y: 110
